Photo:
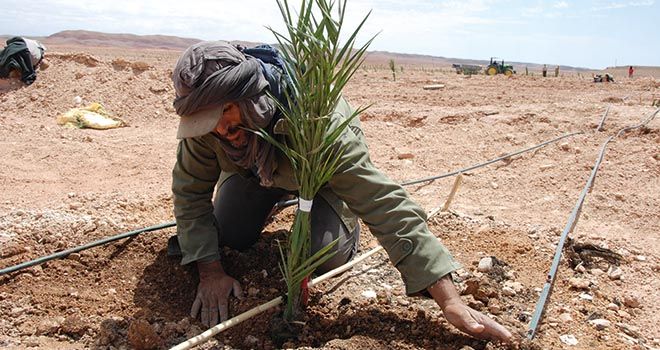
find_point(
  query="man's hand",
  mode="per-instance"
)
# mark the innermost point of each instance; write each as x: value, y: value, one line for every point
x: 213, y: 293
x: 463, y: 317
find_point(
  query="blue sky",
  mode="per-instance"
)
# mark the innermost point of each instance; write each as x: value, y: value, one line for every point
x: 590, y: 33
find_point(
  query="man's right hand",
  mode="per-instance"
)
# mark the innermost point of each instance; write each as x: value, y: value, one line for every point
x: 213, y: 293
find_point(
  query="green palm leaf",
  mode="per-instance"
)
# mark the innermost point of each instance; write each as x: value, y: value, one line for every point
x: 318, y: 67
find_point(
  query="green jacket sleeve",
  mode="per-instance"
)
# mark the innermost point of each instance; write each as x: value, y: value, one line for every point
x: 193, y: 180
x: 395, y: 220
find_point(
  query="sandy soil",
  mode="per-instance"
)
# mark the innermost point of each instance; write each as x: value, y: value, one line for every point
x: 63, y: 187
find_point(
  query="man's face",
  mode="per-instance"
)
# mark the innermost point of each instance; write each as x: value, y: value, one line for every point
x: 229, y: 126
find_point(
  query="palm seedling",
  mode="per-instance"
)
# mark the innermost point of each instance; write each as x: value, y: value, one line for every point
x: 317, y: 68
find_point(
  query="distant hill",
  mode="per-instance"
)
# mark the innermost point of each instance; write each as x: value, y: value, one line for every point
x: 89, y: 38
x: 165, y: 42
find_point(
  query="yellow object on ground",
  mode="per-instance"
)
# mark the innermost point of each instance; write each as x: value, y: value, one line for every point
x: 92, y: 116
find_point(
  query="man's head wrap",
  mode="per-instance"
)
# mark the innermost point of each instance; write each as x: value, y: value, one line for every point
x: 210, y: 74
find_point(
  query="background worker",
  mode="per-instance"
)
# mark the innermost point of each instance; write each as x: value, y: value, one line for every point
x: 22, y: 55
x: 221, y: 93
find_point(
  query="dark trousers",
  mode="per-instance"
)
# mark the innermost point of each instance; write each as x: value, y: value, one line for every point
x: 242, y: 206
x: 22, y: 62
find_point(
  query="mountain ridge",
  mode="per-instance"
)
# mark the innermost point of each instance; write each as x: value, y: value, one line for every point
x: 169, y: 42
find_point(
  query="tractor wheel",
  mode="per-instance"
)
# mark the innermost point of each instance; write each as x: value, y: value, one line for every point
x: 508, y: 72
x: 491, y: 71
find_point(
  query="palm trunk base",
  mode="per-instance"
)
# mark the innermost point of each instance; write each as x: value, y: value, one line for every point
x: 282, y: 330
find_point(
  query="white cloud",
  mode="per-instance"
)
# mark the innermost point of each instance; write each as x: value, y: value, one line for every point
x: 560, y: 5
x: 613, y: 5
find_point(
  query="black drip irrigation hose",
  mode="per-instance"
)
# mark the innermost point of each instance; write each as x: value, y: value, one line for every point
x: 490, y: 161
x: 281, y: 204
x: 570, y: 225
x: 602, y: 120
x: 65, y: 253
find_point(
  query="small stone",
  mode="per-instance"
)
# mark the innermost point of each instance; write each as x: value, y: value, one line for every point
x: 369, y: 294
x: 141, y: 335
x: 74, y: 256
x: 580, y: 268
x: 600, y: 323
x: 568, y: 339
x: 74, y: 326
x: 613, y: 307
x: 264, y: 273
x: 516, y: 286
x: 585, y: 296
x: 565, y: 146
x: 623, y: 314
x: 485, y: 264
x: 628, y: 329
x: 17, y: 311
x: 405, y: 156
x: 49, y: 325
x: 579, y: 283
x: 631, y: 301
x: 474, y: 303
x: 251, y: 341
x: 75, y: 205
x: 494, y: 185
x: 483, y: 229
x: 640, y: 258
x: 183, y: 325
x: 545, y: 167
x: 253, y: 291
x: 77, y: 101
x: 36, y: 270
x: 508, y: 291
x: 494, y: 307
x: 597, y: 272
x: 565, y: 317
x: 615, y: 273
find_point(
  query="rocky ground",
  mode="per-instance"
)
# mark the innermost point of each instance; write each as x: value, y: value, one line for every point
x: 64, y: 187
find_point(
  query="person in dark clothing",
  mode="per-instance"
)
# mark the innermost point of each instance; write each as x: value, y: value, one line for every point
x: 22, y: 55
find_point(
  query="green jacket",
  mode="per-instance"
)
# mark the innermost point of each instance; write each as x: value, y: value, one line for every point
x: 357, y: 187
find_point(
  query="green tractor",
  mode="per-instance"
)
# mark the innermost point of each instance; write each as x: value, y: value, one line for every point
x: 499, y: 68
